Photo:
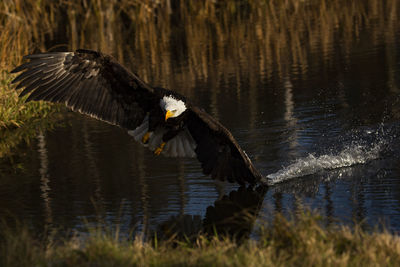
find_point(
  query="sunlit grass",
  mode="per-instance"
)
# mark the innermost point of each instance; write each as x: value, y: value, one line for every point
x: 20, y: 121
x: 299, y: 242
x: 14, y: 112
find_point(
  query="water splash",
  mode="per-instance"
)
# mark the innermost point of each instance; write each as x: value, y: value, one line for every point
x: 358, y: 152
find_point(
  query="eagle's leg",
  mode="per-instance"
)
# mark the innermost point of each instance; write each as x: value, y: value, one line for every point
x: 166, y: 137
x: 159, y: 149
x: 146, y: 137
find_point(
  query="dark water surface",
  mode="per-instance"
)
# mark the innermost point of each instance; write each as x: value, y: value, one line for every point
x: 319, y: 117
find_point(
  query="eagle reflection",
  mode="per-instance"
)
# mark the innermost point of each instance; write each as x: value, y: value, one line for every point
x: 231, y: 216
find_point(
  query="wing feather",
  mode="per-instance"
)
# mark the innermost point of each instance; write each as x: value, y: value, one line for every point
x: 89, y: 82
x: 28, y: 75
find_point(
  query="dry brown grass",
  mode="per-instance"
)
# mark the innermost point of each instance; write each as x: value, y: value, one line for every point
x: 301, y: 242
x: 286, y: 36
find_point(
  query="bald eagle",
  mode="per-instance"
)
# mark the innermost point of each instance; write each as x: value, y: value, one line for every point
x: 166, y: 122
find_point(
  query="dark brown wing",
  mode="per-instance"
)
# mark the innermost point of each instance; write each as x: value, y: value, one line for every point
x: 89, y: 82
x: 217, y: 150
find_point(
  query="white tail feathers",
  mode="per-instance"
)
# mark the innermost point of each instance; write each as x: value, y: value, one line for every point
x: 182, y: 145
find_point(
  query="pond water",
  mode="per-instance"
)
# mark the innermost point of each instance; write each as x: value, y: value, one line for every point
x: 318, y: 112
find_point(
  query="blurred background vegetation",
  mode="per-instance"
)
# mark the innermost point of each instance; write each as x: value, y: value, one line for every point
x: 282, y: 33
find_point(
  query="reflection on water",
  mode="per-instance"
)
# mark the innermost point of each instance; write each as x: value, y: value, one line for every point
x: 44, y: 177
x: 314, y: 102
x: 232, y: 215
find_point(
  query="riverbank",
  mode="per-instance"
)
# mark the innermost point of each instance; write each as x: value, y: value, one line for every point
x: 299, y: 242
x: 20, y: 121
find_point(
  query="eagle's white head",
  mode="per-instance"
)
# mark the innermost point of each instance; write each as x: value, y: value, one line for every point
x: 172, y: 107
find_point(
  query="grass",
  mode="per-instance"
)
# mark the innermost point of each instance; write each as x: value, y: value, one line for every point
x: 20, y: 121
x: 299, y: 242
x: 14, y: 112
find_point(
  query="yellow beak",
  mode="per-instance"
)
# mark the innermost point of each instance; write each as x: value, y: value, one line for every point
x: 168, y: 114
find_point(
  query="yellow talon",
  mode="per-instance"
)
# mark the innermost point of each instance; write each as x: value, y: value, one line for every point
x: 146, y: 138
x: 159, y: 149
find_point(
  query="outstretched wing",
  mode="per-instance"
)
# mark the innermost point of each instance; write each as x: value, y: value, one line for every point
x: 88, y: 82
x: 217, y: 150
